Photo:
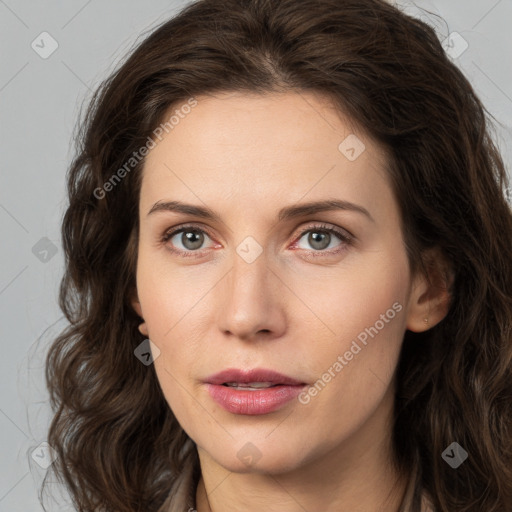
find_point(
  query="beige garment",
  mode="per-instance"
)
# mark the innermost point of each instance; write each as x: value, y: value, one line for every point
x: 182, y: 497
x: 426, y: 505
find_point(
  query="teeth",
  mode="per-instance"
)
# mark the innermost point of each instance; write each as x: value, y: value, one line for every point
x: 250, y: 385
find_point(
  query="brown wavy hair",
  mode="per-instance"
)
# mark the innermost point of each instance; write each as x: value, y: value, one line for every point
x: 119, y: 446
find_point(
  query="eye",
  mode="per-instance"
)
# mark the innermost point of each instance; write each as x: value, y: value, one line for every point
x: 191, y: 239
x: 321, y: 237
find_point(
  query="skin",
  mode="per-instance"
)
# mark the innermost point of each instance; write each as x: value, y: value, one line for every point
x: 246, y: 157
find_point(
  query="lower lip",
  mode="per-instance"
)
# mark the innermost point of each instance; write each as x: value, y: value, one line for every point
x: 252, y: 403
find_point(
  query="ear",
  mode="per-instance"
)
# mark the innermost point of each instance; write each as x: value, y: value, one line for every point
x: 134, y: 301
x: 431, y: 292
x: 138, y: 309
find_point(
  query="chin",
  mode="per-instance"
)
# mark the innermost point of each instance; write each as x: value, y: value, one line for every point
x: 266, y: 459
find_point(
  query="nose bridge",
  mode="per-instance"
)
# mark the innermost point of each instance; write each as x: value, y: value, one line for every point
x: 248, y: 303
x: 250, y: 269
x: 249, y: 279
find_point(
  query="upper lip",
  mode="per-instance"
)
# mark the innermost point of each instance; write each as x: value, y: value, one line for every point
x: 254, y: 375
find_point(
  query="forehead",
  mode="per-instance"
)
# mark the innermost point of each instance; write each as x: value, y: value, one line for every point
x: 260, y: 149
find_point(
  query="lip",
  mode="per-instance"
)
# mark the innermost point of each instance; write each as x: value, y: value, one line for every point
x: 251, y: 403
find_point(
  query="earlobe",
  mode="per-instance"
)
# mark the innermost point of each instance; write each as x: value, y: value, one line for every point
x: 431, y: 294
x: 143, y: 329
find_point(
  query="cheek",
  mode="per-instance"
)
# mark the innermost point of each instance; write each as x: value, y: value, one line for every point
x: 168, y: 294
x: 355, y: 362
x: 345, y: 301
x: 355, y: 367
x: 173, y: 309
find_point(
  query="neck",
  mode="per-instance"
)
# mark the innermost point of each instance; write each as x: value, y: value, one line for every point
x: 366, y: 491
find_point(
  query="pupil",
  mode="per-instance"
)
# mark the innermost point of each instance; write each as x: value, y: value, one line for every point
x: 192, y: 240
x: 317, y: 240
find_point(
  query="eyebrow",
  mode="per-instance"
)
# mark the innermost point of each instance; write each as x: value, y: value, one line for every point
x: 286, y: 213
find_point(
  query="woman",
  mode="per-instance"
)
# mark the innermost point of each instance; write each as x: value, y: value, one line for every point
x: 300, y: 205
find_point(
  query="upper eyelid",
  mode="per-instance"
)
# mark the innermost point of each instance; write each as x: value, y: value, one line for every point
x: 301, y: 231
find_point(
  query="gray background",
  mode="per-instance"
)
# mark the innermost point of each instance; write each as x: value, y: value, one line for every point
x: 39, y: 102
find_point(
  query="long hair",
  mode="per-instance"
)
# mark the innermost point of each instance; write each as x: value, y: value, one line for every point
x: 119, y: 446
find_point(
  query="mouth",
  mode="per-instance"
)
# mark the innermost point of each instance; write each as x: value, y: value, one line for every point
x: 250, y: 386
x: 253, y: 379
x: 252, y: 392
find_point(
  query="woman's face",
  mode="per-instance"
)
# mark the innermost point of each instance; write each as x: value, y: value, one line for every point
x: 260, y: 284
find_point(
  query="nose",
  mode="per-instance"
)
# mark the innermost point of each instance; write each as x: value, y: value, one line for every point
x: 251, y: 300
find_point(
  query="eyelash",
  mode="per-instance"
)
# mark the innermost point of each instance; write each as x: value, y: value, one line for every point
x: 344, y: 236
